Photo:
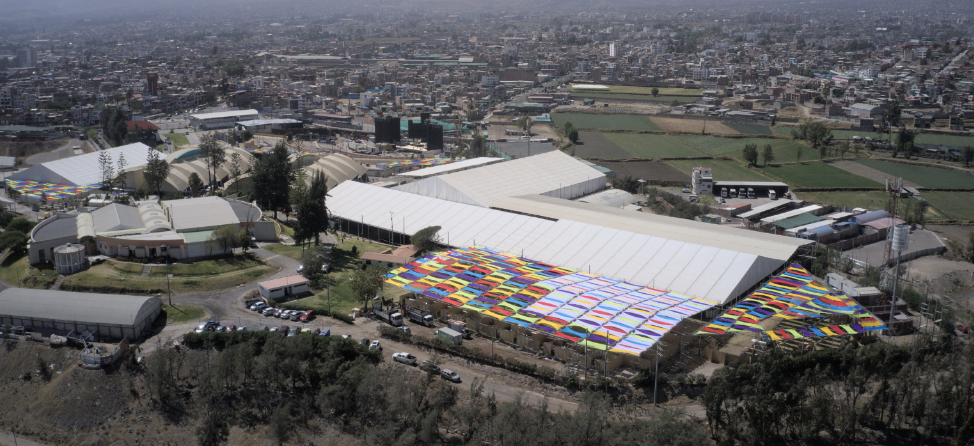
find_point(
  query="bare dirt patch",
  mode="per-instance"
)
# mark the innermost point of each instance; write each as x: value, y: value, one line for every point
x: 868, y: 172
x: 693, y: 126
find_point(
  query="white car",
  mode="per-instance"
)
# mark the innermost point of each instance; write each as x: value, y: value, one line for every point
x: 346, y: 336
x: 404, y: 358
x: 375, y: 345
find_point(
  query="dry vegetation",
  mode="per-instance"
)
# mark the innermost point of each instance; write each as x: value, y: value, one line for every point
x: 693, y: 126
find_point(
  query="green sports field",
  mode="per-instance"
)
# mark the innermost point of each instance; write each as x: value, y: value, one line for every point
x: 818, y: 175
x: 615, y: 122
x: 932, y: 177
x: 957, y: 205
x: 645, y: 145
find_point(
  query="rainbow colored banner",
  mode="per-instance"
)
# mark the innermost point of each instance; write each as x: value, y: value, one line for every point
x: 590, y: 310
x: 52, y: 191
x: 421, y: 163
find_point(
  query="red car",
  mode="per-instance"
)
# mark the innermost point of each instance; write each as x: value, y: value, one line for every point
x: 307, y: 316
x: 962, y: 328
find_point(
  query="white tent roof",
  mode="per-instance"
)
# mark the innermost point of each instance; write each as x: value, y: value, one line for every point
x: 689, y: 266
x: 552, y: 173
x: 83, y: 170
x: 200, y: 213
x: 451, y: 167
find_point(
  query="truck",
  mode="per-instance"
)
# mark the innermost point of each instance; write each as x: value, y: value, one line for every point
x: 448, y: 335
x: 750, y: 193
x: 773, y: 195
x: 460, y: 327
x: 723, y: 192
x: 393, y: 317
x: 420, y: 317
x: 733, y: 193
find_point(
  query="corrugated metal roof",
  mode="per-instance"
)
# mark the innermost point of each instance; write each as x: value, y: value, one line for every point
x: 116, y: 217
x: 798, y: 220
x: 639, y: 250
x: 337, y: 169
x: 63, y: 225
x: 451, y: 167
x: 767, y: 207
x: 81, y: 307
x: 791, y: 213
x: 200, y: 213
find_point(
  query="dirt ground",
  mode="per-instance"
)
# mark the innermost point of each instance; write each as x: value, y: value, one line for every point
x: 693, y: 126
x: 537, y: 131
x: 873, y: 252
x: 960, y: 234
x: 596, y: 145
x: 868, y: 172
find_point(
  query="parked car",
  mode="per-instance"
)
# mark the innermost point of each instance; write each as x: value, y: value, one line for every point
x: 307, y: 316
x: 365, y: 341
x: 241, y: 328
x: 268, y: 311
x: 273, y: 329
x: 258, y: 307
x: 686, y: 191
x: 231, y: 327
x: 404, y: 358
x: 405, y: 329
x: 346, y: 336
x: 285, y: 329
x: 296, y: 316
x: 221, y: 329
x: 375, y: 345
x: 428, y: 366
x: 962, y: 328
x: 450, y: 375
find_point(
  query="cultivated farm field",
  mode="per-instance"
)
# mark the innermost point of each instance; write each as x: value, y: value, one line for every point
x: 818, y: 175
x: 645, y: 145
x: 615, y: 122
x: 692, y: 126
x: 597, y: 145
x: 957, y: 205
x: 932, y: 177
x: 647, y: 170
x: 750, y: 129
x: 723, y: 170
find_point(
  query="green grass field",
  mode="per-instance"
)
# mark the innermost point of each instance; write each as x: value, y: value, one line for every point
x: 14, y: 270
x: 602, y: 97
x: 618, y: 122
x: 818, y: 175
x: 931, y: 177
x: 178, y: 314
x: 125, y: 278
x: 946, y: 140
x: 179, y: 139
x: 625, y: 89
x: 651, y: 146
x: 871, y: 200
x: 957, y: 205
x: 749, y: 129
x: 723, y: 170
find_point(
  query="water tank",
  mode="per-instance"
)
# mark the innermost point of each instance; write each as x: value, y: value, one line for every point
x: 901, y: 238
x: 69, y: 259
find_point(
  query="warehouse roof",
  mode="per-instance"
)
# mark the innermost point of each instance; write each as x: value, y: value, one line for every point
x: 538, y: 174
x: 798, y: 220
x: 81, y: 307
x: 226, y: 114
x: 791, y: 213
x: 337, y: 169
x: 117, y: 217
x: 678, y: 255
x: 83, y: 170
x: 767, y: 207
x: 455, y: 166
x: 61, y: 226
x: 200, y: 213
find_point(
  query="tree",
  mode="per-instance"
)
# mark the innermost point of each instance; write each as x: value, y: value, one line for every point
x: 471, y: 115
x: 966, y: 156
x: 107, y: 171
x: 823, y: 151
x: 214, y: 154
x: 214, y: 430
x: 626, y: 183
x: 313, y: 260
x: 750, y: 153
x: 236, y: 169
x: 313, y: 212
x: 674, y: 103
x: 156, y: 171
x: 280, y: 424
x: 843, y: 149
x: 15, y: 240
x: 905, y: 142
x: 272, y: 177
x: 478, y: 146
x: 366, y: 284
x: 226, y: 238
x: 571, y: 132
x: 799, y: 151
x: 21, y: 224
x: 655, y: 91
x: 426, y: 239
x: 768, y: 154
x: 195, y: 183
x: 524, y: 123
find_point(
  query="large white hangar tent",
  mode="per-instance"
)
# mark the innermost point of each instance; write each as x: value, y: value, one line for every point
x: 83, y: 170
x: 662, y: 252
x: 553, y: 174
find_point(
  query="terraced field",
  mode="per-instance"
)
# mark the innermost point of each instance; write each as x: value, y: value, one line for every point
x: 818, y: 175
x: 931, y: 177
x: 615, y: 122
x: 652, y: 146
